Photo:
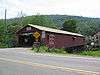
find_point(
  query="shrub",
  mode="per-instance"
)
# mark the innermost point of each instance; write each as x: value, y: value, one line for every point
x: 43, y: 49
x: 61, y: 50
x: 40, y: 49
x: 2, y: 45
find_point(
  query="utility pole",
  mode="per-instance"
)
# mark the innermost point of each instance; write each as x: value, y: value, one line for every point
x: 5, y: 21
x: 20, y: 17
x: 5, y: 28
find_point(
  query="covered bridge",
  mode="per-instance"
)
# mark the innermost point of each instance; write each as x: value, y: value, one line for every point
x: 30, y: 34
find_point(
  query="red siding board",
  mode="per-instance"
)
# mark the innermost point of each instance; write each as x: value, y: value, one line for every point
x: 63, y: 41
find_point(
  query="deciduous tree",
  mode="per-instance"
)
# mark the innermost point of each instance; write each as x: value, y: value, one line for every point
x: 69, y: 25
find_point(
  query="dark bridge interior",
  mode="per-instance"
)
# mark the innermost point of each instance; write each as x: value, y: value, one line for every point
x: 26, y: 40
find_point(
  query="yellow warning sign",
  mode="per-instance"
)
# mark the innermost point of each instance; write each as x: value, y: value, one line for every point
x: 36, y: 34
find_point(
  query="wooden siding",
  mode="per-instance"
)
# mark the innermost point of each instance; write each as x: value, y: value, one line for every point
x: 61, y: 40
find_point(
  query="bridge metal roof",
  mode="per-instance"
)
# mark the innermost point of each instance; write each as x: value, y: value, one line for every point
x: 54, y: 30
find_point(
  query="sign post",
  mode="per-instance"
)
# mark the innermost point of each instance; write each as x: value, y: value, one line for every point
x: 36, y: 44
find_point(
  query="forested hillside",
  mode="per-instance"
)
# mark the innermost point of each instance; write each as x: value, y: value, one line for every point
x: 86, y: 26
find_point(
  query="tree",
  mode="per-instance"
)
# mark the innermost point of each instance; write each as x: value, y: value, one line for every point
x: 43, y: 20
x: 69, y: 25
x: 87, y: 28
x: 2, y: 26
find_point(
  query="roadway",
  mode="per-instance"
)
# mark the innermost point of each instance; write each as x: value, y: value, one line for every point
x: 19, y: 61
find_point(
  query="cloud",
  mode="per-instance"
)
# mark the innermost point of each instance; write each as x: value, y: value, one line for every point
x: 89, y: 8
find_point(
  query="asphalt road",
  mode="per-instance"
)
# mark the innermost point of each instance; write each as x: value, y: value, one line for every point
x: 18, y: 61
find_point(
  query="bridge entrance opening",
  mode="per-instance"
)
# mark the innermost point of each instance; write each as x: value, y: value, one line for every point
x: 27, y: 40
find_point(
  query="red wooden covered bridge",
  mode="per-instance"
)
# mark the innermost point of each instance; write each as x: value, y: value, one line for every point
x: 51, y: 37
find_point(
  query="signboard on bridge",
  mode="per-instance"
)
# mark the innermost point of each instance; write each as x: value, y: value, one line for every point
x: 43, y: 34
x: 36, y: 35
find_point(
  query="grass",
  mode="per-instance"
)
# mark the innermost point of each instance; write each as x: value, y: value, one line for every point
x: 91, y: 53
x: 44, y: 49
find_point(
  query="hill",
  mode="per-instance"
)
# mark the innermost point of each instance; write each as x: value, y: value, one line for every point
x: 59, y: 19
x: 85, y: 25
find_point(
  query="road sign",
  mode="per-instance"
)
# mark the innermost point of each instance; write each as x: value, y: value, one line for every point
x: 43, y: 34
x: 36, y: 34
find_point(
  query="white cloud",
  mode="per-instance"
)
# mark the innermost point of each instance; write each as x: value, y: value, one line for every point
x: 89, y: 8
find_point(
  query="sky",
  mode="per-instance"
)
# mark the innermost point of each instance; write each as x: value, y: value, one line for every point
x: 85, y: 8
